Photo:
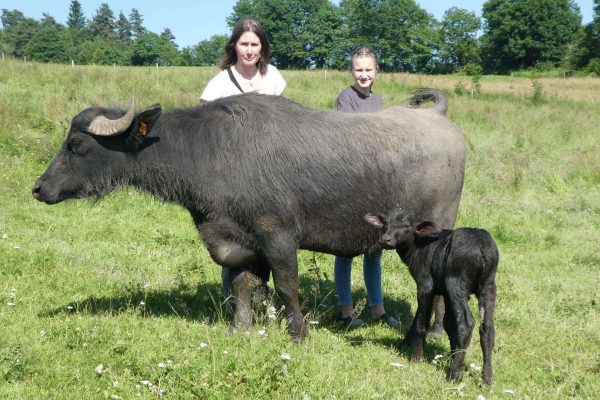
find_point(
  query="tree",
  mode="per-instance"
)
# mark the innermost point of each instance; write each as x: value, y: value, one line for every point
x: 136, y: 24
x: 208, y: 52
x: 303, y: 34
x: 458, y: 32
x: 100, y: 51
x: 587, y: 45
x: 521, y: 34
x: 167, y: 34
x: 18, y: 31
x: 103, y: 23
x: 150, y: 49
x: 76, y: 20
x: 400, y: 32
x: 123, y: 28
x: 46, y: 46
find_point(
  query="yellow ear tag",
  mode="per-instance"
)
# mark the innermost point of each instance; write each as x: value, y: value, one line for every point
x: 143, y: 129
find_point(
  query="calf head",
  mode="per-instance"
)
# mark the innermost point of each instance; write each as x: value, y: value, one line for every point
x: 399, y: 228
x: 96, y: 154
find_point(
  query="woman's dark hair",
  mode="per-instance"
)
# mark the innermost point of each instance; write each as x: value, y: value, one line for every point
x: 243, y: 26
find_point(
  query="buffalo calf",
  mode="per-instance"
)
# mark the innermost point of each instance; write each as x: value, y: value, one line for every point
x: 451, y: 263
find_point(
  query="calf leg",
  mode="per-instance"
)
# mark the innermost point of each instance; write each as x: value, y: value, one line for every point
x: 415, y: 337
x: 464, y: 327
x: 487, y: 333
x: 450, y: 325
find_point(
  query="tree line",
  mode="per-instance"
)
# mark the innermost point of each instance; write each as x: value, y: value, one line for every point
x: 510, y: 35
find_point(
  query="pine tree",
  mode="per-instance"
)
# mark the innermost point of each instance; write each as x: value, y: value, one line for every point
x: 103, y: 23
x: 123, y: 28
x: 76, y: 20
x: 136, y: 24
x: 168, y: 34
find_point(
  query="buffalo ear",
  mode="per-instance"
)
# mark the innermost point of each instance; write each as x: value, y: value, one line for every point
x: 427, y: 229
x: 376, y: 219
x: 142, y: 124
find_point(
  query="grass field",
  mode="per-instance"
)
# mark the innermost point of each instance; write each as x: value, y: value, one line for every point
x: 119, y: 299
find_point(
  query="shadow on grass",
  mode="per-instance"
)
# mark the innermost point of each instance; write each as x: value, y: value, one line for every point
x: 205, y: 302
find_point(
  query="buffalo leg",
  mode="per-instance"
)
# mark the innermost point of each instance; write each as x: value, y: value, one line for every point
x: 280, y: 250
x: 242, y: 284
x: 487, y: 333
x: 437, y: 329
x: 415, y: 337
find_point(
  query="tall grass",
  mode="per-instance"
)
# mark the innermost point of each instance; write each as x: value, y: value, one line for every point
x: 127, y: 284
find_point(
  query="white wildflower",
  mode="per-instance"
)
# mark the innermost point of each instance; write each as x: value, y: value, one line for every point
x: 203, y: 345
x: 116, y: 384
x: 115, y: 397
x: 146, y: 382
x: 10, y: 303
x: 142, y: 303
x: 396, y: 364
x: 225, y: 352
x: 285, y: 357
x: 100, y: 369
x: 4, y: 236
x: 17, y: 246
x: 508, y: 391
x: 69, y: 308
x: 480, y: 397
x: 475, y: 367
x: 313, y: 322
x: 162, y: 365
x: 437, y: 359
x: 261, y: 332
x: 42, y: 333
x: 271, y: 312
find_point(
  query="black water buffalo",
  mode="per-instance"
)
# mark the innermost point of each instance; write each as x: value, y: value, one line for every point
x: 264, y: 175
x: 452, y: 263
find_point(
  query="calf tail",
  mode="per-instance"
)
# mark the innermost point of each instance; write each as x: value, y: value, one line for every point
x: 428, y: 94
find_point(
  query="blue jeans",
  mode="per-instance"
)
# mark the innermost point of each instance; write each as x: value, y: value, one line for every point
x: 342, y: 273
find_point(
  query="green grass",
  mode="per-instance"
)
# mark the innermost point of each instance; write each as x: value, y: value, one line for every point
x: 127, y: 283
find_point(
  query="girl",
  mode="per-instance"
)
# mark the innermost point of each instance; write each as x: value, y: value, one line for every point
x: 360, y: 98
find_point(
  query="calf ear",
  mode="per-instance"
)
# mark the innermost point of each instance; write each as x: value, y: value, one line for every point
x: 427, y: 229
x: 376, y: 219
x: 143, y: 124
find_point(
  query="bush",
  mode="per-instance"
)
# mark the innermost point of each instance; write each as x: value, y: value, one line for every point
x: 593, y: 66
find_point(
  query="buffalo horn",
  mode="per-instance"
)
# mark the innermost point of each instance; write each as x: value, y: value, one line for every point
x: 102, y: 126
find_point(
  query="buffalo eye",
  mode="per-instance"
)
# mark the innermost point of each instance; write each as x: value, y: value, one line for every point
x: 75, y: 146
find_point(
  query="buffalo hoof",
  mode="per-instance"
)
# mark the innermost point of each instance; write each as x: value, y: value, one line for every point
x: 455, y: 376
x: 487, y: 377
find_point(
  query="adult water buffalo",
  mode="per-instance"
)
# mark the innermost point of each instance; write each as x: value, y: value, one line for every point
x: 263, y: 175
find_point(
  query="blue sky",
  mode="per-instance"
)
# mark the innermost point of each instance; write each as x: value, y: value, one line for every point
x: 193, y: 21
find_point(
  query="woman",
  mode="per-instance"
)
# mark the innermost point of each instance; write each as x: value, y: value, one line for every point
x: 245, y: 66
x: 360, y: 98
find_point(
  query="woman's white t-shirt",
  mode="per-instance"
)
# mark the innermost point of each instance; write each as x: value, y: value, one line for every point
x: 222, y: 86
